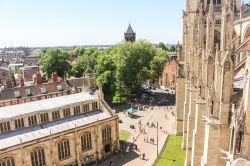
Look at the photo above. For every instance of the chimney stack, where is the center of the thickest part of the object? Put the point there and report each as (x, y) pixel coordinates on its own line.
(38, 78)
(54, 77)
(21, 82)
(8, 83)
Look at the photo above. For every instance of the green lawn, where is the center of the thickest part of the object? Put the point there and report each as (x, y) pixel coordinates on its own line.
(123, 135)
(172, 155)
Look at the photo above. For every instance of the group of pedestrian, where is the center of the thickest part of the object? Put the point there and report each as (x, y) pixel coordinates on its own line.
(151, 140)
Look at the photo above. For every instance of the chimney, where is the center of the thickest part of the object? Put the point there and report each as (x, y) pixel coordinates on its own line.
(89, 82)
(38, 78)
(21, 82)
(8, 83)
(54, 77)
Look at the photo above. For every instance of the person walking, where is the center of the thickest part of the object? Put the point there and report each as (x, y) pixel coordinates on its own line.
(143, 156)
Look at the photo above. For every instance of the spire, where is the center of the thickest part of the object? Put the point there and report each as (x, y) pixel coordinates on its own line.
(129, 30)
(130, 34)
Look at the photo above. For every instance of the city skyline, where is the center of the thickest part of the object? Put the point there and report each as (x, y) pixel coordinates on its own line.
(64, 23)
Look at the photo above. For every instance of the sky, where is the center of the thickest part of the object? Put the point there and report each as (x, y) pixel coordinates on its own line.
(36, 23)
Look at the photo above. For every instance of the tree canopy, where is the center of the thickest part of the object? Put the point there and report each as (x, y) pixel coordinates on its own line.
(56, 60)
(121, 70)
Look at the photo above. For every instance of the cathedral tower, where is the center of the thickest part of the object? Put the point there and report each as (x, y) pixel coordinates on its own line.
(130, 35)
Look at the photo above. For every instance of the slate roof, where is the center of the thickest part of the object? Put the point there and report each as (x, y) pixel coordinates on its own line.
(8, 94)
(129, 30)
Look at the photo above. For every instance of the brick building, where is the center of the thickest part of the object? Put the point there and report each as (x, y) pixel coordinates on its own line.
(168, 78)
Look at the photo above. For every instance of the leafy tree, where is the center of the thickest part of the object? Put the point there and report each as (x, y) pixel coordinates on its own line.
(78, 68)
(162, 46)
(79, 51)
(105, 71)
(56, 60)
(157, 64)
(173, 48)
(86, 63)
(133, 66)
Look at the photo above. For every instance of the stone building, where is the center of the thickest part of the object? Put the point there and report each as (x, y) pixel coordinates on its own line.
(130, 35)
(76, 129)
(213, 82)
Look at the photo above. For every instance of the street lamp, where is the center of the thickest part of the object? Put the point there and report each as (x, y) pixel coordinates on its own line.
(157, 137)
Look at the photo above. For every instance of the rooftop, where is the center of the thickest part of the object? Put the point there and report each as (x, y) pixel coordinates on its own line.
(130, 30)
(8, 94)
(33, 133)
(42, 105)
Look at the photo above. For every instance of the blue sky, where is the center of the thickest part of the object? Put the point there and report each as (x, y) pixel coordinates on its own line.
(83, 22)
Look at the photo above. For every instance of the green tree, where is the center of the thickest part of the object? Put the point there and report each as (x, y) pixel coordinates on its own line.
(158, 63)
(105, 71)
(173, 48)
(86, 63)
(133, 66)
(162, 46)
(56, 60)
(78, 68)
(79, 51)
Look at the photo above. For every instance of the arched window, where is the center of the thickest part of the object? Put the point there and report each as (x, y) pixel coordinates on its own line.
(247, 33)
(106, 135)
(7, 161)
(63, 149)
(37, 157)
(86, 141)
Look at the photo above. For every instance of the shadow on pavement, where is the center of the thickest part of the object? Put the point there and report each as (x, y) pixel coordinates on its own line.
(119, 159)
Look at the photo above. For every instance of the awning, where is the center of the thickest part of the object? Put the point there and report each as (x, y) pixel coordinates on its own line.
(132, 110)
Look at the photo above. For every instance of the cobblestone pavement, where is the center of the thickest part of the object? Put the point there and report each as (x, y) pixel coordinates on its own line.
(166, 119)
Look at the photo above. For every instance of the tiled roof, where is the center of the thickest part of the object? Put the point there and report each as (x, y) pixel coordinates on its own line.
(8, 94)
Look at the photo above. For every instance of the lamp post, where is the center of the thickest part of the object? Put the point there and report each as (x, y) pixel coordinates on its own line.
(157, 138)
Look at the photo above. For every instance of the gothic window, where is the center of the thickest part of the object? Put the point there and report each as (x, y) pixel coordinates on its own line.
(94, 106)
(77, 110)
(216, 2)
(37, 157)
(66, 112)
(86, 108)
(247, 34)
(32, 120)
(239, 142)
(106, 135)
(7, 161)
(44, 117)
(19, 123)
(216, 37)
(56, 115)
(212, 108)
(86, 141)
(238, 58)
(4, 127)
(63, 149)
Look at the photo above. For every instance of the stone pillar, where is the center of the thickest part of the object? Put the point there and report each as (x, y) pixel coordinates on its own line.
(180, 99)
(190, 125)
(185, 114)
(198, 133)
(211, 142)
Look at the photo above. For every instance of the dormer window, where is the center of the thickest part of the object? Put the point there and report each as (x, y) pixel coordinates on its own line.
(17, 94)
(44, 90)
(59, 88)
(28, 92)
